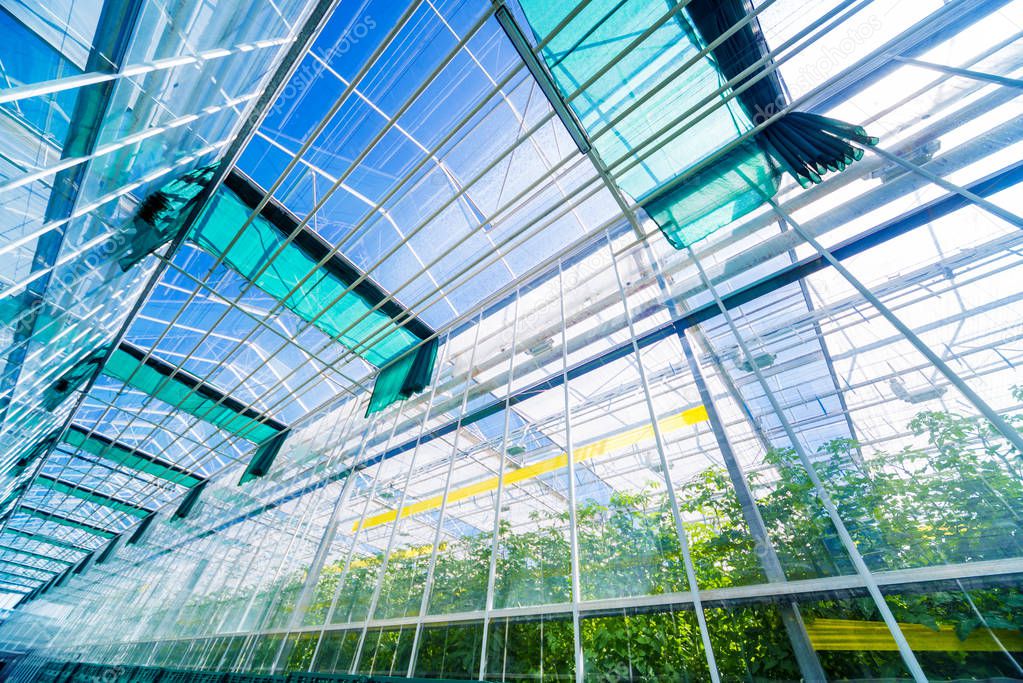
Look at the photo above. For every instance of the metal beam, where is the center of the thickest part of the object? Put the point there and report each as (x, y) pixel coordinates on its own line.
(15, 563)
(972, 575)
(806, 657)
(20, 576)
(943, 24)
(919, 216)
(311, 24)
(965, 73)
(6, 585)
(543, 78)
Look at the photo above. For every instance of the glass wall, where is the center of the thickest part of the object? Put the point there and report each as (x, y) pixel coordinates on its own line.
(103, 104)
(790, 451)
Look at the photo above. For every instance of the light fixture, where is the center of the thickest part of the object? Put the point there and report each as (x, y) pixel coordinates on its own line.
(914, 396)
(762, 360)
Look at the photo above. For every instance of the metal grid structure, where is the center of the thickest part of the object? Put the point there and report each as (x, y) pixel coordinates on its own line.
(790, 450)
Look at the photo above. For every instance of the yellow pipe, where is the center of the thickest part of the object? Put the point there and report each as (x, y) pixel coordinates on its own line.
(608, 444)
(846, 634)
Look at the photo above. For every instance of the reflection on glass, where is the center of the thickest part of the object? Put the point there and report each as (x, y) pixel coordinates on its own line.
(401, 592)
(263, 653)
(352, 602)
(750, 643)
(300, 652)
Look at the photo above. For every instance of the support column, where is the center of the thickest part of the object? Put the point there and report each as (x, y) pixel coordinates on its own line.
(806, 656)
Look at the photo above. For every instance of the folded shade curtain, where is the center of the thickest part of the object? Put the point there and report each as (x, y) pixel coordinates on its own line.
(371, 334)
(329, 292)
(684, 182)
(80, 567)
(29, 553)
(180, 390)
(73, 378)
(66, 521)
(638, 94)
(140, 530)
(408, 375)
(187, 393)
(133, 458)
(190, 500)
(264, 458)
(177, 388)
(105, 555)
(82, 493)
(32, 453)
(805, 145)
(43, 538)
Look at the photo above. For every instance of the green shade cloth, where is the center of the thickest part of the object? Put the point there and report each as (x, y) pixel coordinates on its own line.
(116, 452)
(264, 457)
(51, 574)
(29, 553)
(681, 183)
(163, 214)
(43, 538)
(57, 519)
(408, 375)
(15, 579)
(187, 393)
(217, 227)
(140, 530)
(90, 496)
(686, 208)
(690, 210)
(337, 298)
(805, 145)
(190, 500)
(178, 389)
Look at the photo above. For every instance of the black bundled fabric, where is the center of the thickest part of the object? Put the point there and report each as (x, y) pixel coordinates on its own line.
(805, 145)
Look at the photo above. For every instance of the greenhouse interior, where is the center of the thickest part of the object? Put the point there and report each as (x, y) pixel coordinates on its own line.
(578, 340)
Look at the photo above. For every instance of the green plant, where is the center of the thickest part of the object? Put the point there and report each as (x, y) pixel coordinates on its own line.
(956, 497)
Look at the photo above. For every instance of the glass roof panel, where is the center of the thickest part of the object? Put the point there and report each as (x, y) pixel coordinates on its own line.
(444, 174)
